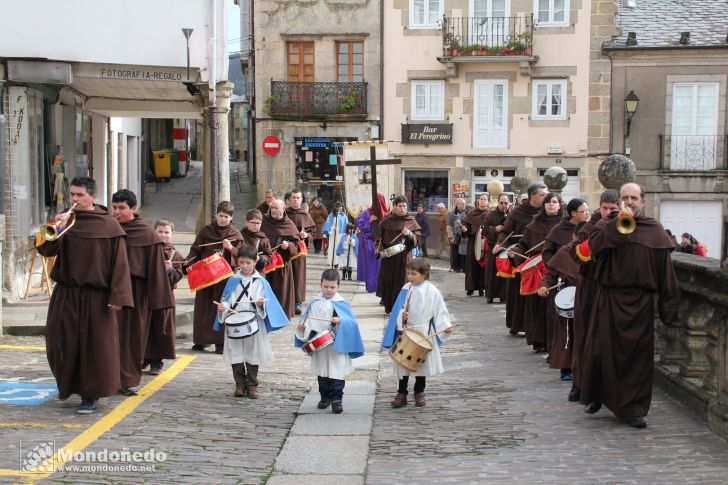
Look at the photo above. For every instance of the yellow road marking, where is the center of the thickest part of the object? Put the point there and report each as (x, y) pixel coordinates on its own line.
(83, 440)
(42, 425)
(22, 347)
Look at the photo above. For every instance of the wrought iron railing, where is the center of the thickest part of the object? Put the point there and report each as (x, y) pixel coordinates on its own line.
(317, 99)
(693, 152)
(487, 36)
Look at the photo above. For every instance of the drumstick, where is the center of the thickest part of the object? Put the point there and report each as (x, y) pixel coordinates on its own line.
(555, 286)
(537, 246)
(228, 309)
(209, 244)
(172, 255)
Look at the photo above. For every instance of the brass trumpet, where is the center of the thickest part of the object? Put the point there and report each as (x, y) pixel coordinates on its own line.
(50, 232)
(625, 220)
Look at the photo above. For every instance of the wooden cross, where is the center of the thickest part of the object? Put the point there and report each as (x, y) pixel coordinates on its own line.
(373, 163)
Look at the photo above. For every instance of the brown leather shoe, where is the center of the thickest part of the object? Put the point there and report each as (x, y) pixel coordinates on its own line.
(420, 399)
(399, 400)
(239, 389)
(253, 392)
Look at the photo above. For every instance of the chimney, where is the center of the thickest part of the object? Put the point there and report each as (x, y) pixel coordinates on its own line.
(631, 38)
(684, 38)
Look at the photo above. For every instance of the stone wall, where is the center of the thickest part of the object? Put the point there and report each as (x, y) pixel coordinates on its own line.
(691, 358)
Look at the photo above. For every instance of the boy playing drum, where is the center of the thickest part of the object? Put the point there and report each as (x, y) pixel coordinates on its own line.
(328, 311)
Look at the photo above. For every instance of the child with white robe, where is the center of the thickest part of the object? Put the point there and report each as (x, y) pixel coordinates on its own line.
(248, 303)
(334, 230)
(331, 364)
(346, 251)
(419, 306)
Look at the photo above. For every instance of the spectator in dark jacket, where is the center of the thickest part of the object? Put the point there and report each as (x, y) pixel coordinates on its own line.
(424, 221)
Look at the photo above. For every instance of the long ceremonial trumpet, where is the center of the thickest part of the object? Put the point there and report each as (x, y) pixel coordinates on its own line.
(625, 220)
(50, 232)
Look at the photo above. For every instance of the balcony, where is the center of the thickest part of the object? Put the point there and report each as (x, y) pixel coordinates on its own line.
(487, 39)
(693, 153)
(317, 100)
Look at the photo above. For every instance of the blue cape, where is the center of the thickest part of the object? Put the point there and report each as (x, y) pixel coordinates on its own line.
(275, 317)
(391, 334)
(348, 339)
(342, 220)
(341, 249)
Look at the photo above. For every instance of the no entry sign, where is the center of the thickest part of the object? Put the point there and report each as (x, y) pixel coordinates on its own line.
(271, 145)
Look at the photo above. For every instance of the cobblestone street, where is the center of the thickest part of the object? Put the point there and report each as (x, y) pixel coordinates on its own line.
(497, 415)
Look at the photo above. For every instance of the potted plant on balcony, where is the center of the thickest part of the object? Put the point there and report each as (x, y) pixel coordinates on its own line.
(470, 50)
(526, 39)
(268, 102)
(494, 50)
(482, 50)
(514, 48)
(348, 102)
(451, 45)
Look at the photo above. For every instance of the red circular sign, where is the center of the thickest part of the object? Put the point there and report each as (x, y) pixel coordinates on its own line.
(271, 145)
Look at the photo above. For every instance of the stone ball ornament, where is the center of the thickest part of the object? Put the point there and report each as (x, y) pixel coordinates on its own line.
(616, 170)
(495, 188)
(555, 179)
(520, 184)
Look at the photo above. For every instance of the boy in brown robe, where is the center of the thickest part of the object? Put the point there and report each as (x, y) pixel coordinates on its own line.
(495, 287)
(92, 284)
(283, 235)
(221, 231)
(397, 227)
(149, 284)
(252, 236)
(306, 226)
(162, 326)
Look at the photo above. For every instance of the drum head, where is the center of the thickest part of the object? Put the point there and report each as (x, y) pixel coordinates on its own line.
(533, 263)
(503, 254)
(565, 298)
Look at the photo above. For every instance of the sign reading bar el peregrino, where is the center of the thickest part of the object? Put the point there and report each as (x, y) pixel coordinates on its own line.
(427, 133)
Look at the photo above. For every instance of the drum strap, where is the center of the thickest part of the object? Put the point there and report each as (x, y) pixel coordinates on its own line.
(242, 294)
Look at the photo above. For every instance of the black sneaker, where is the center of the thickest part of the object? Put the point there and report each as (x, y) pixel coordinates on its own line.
(200, 347)
(155, 369)
(129, 391)
(337, 408)
(88, 406)
(219, 348)
(593, 407)
(637, 422)
(574, 394)
(324, 403)
(299, 308)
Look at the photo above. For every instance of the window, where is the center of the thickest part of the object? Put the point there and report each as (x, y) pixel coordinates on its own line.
(426, 187)
(428, 100)
(237, 111)
(549, 100)
(490, 111)
(550, 13)
(350, 62)
(425, 14)
(300, 62)
(237, 134)
(693, 141)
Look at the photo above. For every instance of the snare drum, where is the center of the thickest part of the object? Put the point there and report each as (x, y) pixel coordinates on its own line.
(318, 342)
(241, 324)
(564, 302)
(411, 349)
(276, 262)
(208, 272)
(302, 250)
(394, 250)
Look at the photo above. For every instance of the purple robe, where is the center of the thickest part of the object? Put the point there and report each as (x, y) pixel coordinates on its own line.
(367, 263)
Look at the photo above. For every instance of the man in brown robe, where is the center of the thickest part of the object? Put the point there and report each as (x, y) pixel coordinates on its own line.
(319, 214)
(283, 235)
(162, 338)
(495, 287)
(474, 221)
(516, 222)
(302, 220)
(397, 227)
(630, 271)
(585, 290)
(93, 283)
(265, 205)
(226, 238)
(149, 284)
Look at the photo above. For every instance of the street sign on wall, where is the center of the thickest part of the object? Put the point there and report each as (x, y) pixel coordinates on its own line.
(271, 145)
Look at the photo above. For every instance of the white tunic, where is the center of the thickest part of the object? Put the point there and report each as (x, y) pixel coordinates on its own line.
(256, 349)
(425, 304)
(326, 362)
(351, 262)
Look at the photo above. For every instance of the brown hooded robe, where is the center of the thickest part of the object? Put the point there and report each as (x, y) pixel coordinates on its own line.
(302, 220)
(163, 325)
(392, 275)
(281, 280)
(495, 287)
(474, 273)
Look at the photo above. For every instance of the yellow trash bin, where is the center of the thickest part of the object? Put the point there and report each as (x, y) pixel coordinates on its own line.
(162, 164)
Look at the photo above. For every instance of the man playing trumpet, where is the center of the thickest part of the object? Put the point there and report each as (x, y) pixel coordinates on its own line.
(92, 283)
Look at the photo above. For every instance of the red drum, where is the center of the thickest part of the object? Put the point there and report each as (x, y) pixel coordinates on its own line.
(275, 263)
(503, 266)
(318, 342)
(208, 272)
(302, 250)
(532, 272)
(484, 255)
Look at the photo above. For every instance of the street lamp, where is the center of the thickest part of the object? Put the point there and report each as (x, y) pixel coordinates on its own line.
(191, 88)
(630, 107)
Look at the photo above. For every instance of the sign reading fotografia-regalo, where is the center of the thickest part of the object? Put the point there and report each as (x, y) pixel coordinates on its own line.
(427, 133)
(140, 74)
